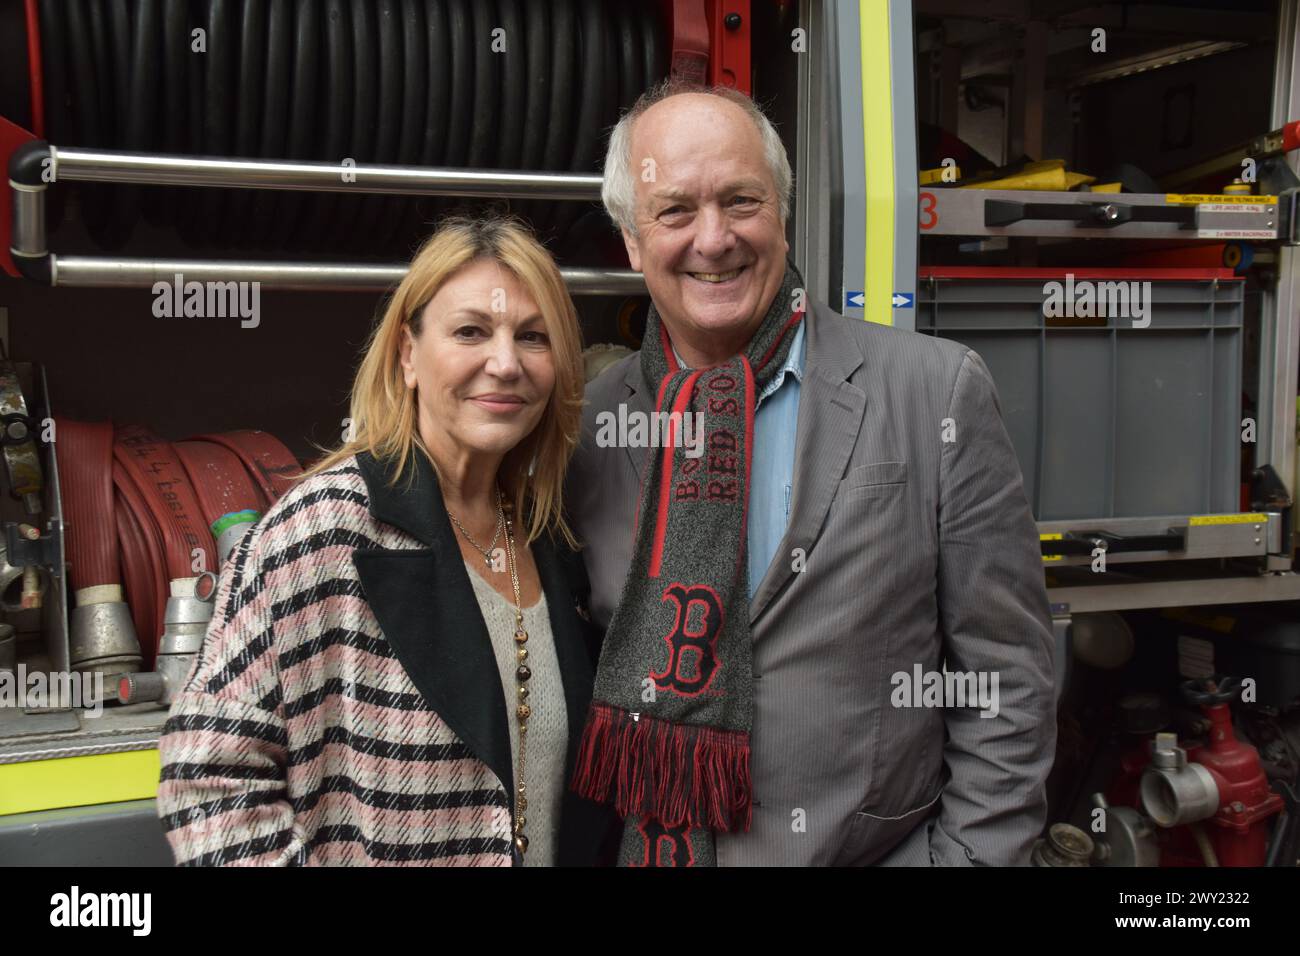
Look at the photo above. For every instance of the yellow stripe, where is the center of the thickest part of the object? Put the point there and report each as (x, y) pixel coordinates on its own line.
(78, 781)
(878, 155)
(1251, 518)
(1055, 536)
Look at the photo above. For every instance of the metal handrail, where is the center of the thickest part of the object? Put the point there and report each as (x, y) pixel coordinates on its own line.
(150, 169)
(35, 165)
(106, 272)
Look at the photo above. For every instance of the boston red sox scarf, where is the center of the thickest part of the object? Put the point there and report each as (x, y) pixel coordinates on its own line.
(668, 730)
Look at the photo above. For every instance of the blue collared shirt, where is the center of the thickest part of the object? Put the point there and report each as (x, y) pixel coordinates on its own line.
(771, 477)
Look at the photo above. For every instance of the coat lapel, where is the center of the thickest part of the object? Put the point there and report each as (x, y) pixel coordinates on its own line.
(830, 414)
(425, 605)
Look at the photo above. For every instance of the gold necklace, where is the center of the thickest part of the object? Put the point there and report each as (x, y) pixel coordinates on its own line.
(486, 552)
(522, 675)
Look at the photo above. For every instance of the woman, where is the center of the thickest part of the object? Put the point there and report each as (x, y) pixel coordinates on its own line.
(398, 668)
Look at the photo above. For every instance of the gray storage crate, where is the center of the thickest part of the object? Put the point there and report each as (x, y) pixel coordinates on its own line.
(1107, 420)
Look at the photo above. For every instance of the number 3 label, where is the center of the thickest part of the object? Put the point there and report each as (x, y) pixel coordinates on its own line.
(929, 215)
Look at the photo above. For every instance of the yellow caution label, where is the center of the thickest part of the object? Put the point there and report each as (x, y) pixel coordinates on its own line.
(1252, 518)
(1057, 536)
(1196, 199)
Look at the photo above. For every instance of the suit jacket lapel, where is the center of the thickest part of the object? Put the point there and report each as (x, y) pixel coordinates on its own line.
(830, 414)
(640, 401)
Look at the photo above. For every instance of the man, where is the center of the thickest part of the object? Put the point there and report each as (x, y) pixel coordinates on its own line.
(867, 506)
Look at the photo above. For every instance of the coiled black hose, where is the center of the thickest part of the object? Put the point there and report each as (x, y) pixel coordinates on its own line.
(513, 71)
(593, 101)
(302, 116)
(87, 110)
(349, 223)
(142, 121)
(495, 84)
(398, 210)
(59, 121)
(334, 115)
(219, 93)
(274, 138)
(251, 74)
(188, 224)
(392, 87)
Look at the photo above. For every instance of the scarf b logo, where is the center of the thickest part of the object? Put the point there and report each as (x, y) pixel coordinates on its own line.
(664, 846)
(691, 645)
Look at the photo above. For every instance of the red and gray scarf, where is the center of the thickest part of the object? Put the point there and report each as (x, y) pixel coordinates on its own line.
(668, 731)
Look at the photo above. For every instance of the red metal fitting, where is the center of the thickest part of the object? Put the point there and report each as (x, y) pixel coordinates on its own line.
(1239, 831)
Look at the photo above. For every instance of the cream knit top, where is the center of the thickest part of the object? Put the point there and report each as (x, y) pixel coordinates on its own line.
(548, 727)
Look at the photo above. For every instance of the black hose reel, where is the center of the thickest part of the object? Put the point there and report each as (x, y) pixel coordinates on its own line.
(490, 84)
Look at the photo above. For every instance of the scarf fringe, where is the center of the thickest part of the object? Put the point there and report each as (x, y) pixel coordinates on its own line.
(675, 773)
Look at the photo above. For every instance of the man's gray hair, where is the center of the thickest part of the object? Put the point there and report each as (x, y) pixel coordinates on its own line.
(618, 191)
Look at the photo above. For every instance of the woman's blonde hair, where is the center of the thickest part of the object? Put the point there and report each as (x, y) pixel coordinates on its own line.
(384, 411)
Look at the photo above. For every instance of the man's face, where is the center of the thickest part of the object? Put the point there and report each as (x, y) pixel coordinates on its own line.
(710, 240)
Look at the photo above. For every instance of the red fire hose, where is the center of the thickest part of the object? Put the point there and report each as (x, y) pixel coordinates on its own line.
(141, 511)
(227, 496)
(144, 571)
(84, 451)
(152, 462)
(272, 465)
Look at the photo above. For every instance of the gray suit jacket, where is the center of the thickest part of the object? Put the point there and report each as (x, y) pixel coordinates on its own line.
(918, 547)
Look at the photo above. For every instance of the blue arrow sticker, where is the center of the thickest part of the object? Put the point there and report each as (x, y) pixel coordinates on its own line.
(903, 300)
(855, 300)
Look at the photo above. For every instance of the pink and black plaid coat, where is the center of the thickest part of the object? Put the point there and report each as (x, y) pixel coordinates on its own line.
(346, 707)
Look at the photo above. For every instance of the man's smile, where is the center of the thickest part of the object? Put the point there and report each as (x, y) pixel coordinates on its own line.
(717, 277)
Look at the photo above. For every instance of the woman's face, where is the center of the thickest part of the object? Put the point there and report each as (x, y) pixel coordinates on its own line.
(482, 364)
